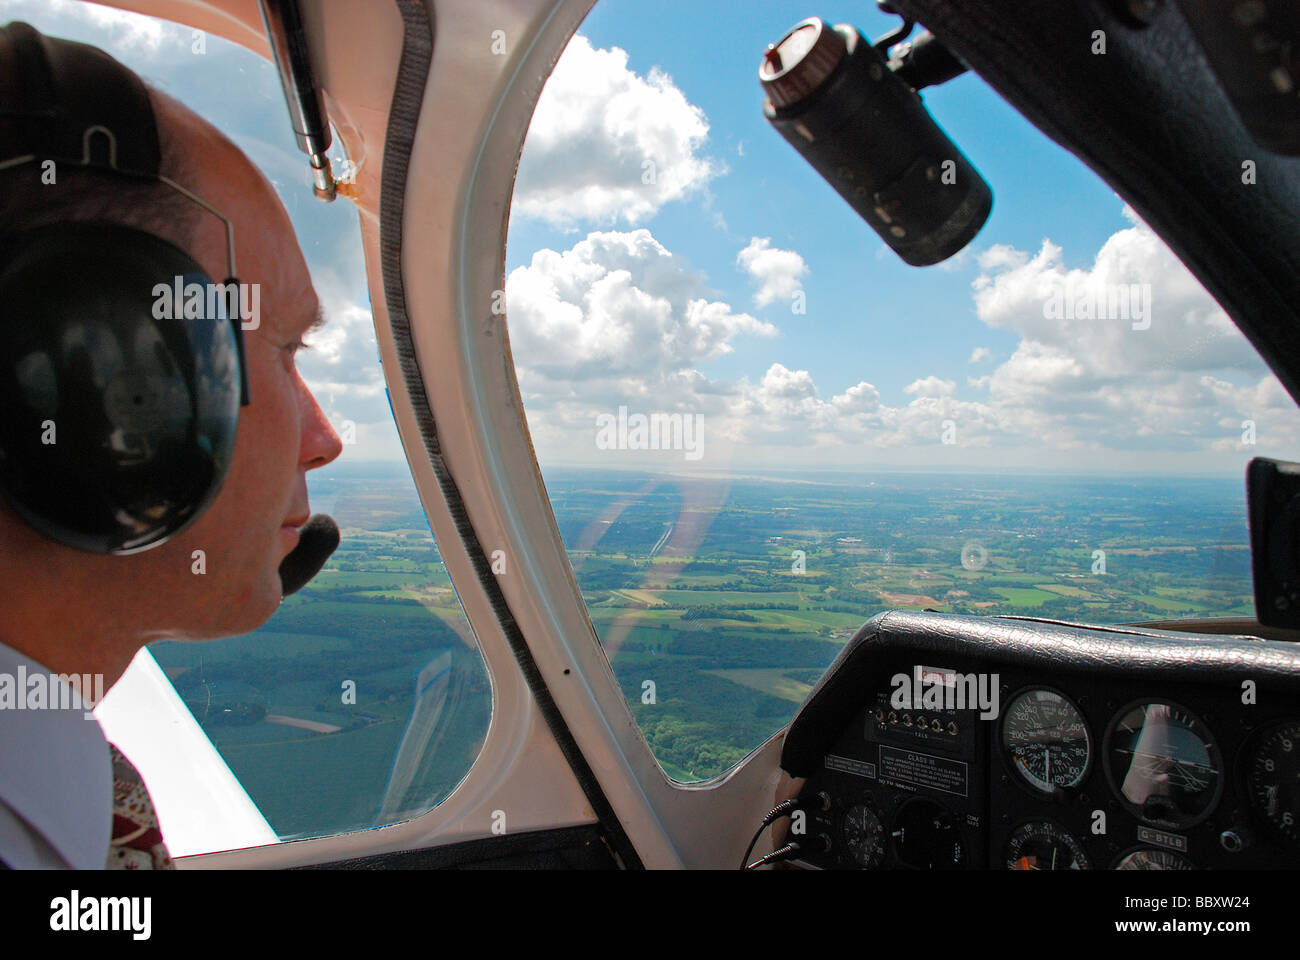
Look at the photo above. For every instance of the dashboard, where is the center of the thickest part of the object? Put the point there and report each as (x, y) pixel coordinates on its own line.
(947, 742)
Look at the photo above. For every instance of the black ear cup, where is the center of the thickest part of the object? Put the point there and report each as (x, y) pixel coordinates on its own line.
(118, 402)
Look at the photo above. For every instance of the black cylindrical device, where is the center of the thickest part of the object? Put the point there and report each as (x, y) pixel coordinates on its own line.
(834, 98)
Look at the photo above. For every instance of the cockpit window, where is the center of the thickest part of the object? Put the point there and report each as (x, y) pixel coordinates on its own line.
(759, 428)
(364, 701)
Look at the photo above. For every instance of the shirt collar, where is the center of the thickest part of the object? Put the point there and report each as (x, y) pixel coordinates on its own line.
(55, 770)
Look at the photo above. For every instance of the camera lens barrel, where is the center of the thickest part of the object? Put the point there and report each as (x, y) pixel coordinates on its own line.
(834, 98)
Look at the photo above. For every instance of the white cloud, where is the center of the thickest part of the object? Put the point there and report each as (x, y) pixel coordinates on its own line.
(862, 398)
(784, 409)
(777, 272)
(618, 319)
(341, 369)
(142, 33)
(1000, 255)
(787, 393)
(607, 143)
(930, 387)
(1099, 380)
(617, 304)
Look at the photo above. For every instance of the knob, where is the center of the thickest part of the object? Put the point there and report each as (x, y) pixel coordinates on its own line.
(1235, 839)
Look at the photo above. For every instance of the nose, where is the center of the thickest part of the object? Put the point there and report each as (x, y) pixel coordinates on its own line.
(320, 444)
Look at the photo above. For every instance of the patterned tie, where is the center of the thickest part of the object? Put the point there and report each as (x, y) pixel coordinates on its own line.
(137, 839)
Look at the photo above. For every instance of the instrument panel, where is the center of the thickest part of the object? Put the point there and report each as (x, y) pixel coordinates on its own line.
(950, 761)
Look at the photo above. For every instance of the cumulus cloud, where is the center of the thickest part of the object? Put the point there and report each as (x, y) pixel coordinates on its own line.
(618, 319)
(785, 394)
(341, 369)
(863, 398)
(608, 143)
(616, 305)
(777, 272)
(1089, 369)
(930, 387)
(785, 409)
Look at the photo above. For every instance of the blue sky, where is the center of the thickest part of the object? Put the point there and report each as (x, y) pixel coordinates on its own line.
(675, 297)
(856, 295)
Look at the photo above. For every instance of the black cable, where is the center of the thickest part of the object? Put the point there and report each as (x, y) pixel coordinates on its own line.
(785, 808)
(899, 35)
(788, 852)
(750, 848)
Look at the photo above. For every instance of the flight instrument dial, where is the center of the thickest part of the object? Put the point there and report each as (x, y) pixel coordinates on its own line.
(1164, 764)
(864, 835)
(1045, 740)
(1273, 778)
(1042, 845)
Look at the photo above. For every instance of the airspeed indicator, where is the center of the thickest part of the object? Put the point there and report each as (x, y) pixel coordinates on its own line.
(1045, 740)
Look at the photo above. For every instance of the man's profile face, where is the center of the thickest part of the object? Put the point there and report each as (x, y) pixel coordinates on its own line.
(282, 433)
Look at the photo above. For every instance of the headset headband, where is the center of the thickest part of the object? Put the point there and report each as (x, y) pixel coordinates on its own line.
(52, 91)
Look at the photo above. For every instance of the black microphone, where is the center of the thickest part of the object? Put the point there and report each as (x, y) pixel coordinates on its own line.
(317, 539)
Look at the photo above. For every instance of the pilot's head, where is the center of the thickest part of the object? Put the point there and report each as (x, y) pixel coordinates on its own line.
(77, 611)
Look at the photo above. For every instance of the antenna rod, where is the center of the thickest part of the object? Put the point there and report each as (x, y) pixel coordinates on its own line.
(288, 41)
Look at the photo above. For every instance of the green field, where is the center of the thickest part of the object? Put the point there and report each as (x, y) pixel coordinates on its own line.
(773, 682)
(1024, 597)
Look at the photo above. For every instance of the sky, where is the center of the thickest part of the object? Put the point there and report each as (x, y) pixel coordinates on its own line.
(670, 253)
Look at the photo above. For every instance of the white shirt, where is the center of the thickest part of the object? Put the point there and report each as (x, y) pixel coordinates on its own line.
(56, 778)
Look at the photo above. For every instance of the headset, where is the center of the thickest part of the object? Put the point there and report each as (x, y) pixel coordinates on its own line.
(120, 390)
